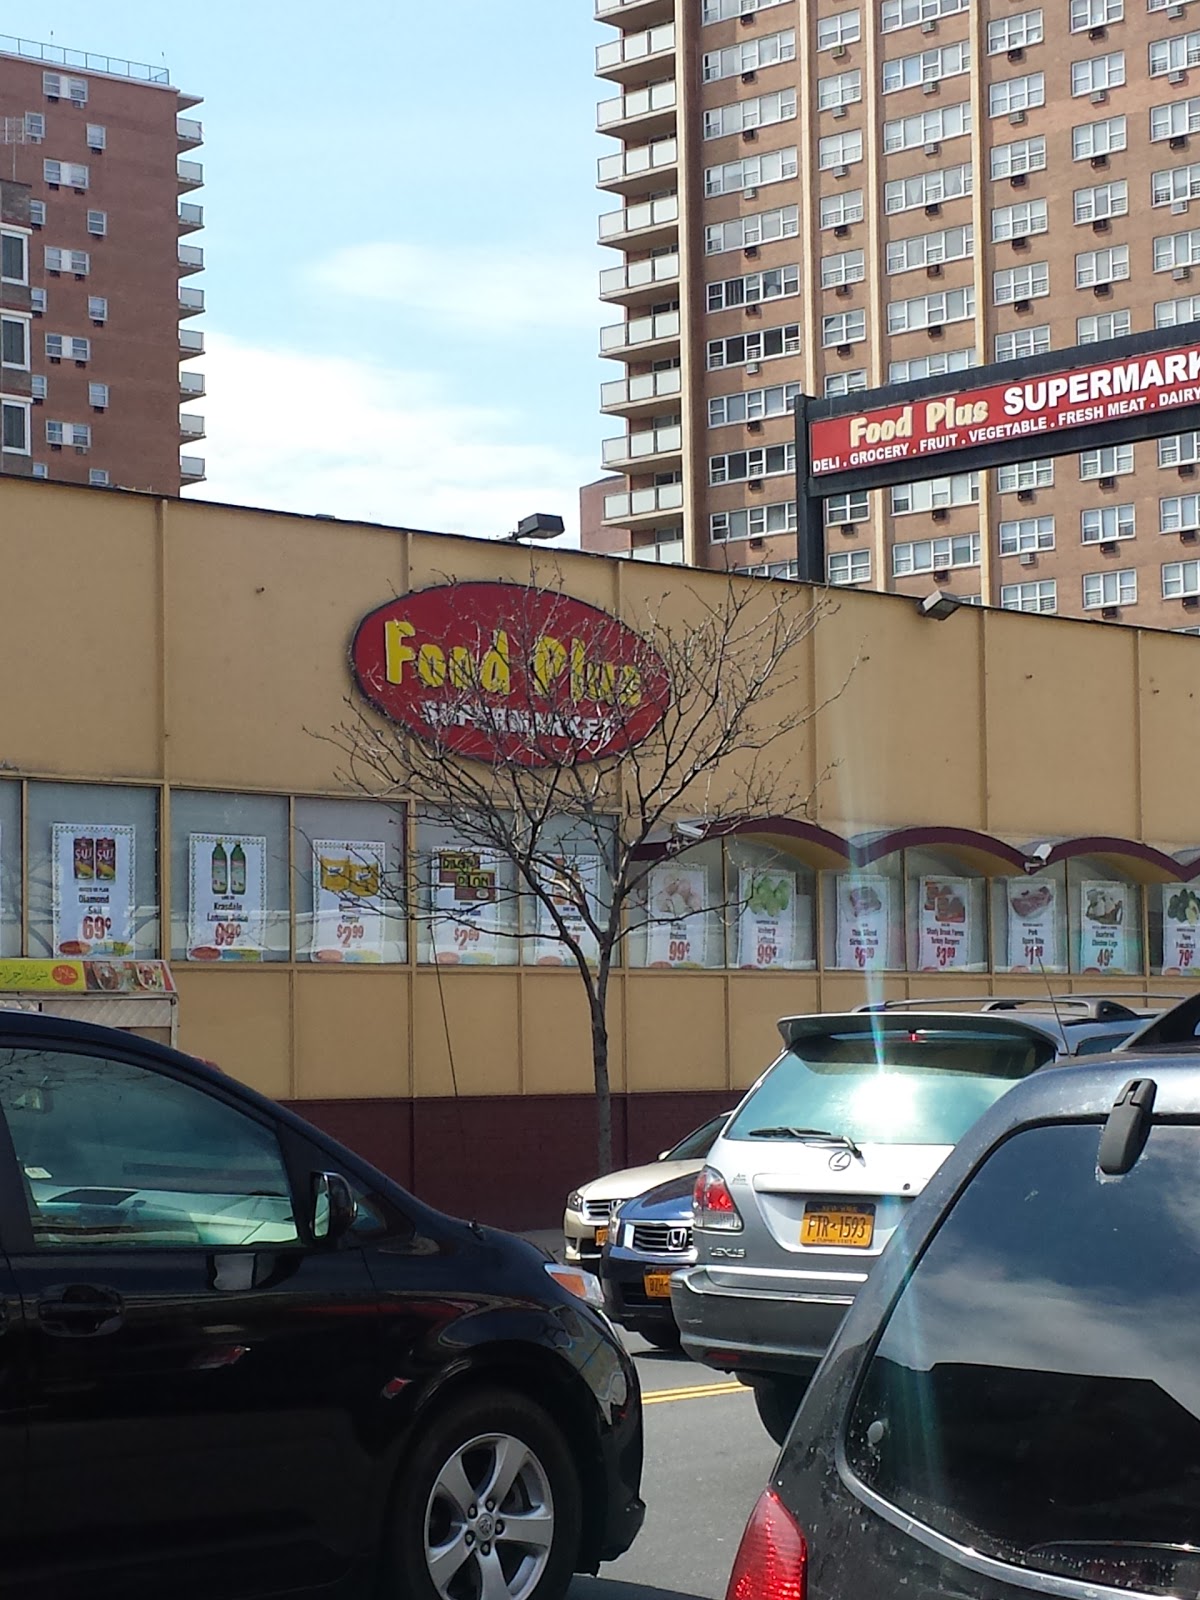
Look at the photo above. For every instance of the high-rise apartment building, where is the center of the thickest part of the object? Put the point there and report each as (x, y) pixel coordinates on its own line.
(95, 277)
(826, 197)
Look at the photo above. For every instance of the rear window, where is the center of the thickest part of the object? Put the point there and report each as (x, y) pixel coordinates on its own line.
(1035, 1395)
(890, 1086)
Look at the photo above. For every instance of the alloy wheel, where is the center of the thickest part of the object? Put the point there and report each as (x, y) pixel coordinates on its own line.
(489, 1522)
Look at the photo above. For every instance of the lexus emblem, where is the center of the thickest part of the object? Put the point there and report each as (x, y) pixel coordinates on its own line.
(840, 1160)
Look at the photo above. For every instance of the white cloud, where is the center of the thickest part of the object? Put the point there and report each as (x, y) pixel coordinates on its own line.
(292, 431)
(491, 292)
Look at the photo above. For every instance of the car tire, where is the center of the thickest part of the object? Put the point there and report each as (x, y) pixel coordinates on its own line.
(666, 1338)
(777, 1400)
(438, 1547)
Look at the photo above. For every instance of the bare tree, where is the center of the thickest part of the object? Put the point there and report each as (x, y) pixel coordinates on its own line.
(577, 753)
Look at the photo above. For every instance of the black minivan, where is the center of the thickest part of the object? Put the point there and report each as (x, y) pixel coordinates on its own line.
(237, 1361)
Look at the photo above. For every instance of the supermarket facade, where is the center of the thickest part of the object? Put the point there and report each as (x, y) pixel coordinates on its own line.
(1001, 793)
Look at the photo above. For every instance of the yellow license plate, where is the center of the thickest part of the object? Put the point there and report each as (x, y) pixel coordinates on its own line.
(839, 1227)
(658, 1285)
(601, 1237)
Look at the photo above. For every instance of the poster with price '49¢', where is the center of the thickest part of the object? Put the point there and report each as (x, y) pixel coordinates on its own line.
(227, 897)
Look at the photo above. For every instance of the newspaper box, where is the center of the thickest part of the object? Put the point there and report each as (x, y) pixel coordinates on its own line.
(136, 996)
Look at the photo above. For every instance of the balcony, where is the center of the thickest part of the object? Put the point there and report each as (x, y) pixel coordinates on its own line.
(191, 216)
(667, 552)
(191, 301)
(634, 13)
(189, 133)
(651, 111)
(640, 280)
(649, 222)
(624, 507)
(641, 336)
(191, 385)
(191, 343)
(191, 426)
(638, 169)
(191, 258)
(191, 469)
(657, 444)
(645, 392)
(626, 58)
(191, 174)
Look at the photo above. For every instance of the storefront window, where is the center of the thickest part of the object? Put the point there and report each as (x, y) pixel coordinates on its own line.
(771, 916)
(349, 886)
(1106, 919)
(466, 898)
(947, 913)
(10, 869)
(1174, 917)
(864, 917)
(229, 877)
(578, 858)
(93, 870)
(677, 916)
(1029, 922)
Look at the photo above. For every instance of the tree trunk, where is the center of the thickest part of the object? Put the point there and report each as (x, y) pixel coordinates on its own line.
(604, 1139)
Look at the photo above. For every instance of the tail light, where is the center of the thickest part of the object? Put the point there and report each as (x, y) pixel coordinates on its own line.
(712, 1203)
(772, 1559)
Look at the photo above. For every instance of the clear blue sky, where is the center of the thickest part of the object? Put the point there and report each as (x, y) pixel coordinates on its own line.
(401, 267)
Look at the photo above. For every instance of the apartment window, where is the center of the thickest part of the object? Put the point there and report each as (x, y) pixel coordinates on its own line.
(753, 522)
(927, 188)
(1017, 94)
(98, 307)
(774, 569)
(1019, 221)
(759, 346)
(97, 136)
(1098, 73)
(1177, 250)
(844, 28)
(1027, 282)
(935, 555)
(750, 172)
(1026, 534)
(849, 566)
(928, 66)
(1015, 33)
(1041, 595)
(1102, 200)
(768, 461)
(841, 89)
(930, 249)
(931, 310)
(1174, 313)
(1023, 476)
(840, 210)
(935, 494)
(35, 127)
(842, 509)
(14, 426)
(752, 288)
(1102, 266)
(57, 86)
(1025, 155)
(1174, 55)
(932, 366)
(1175, 184)
(98, 477)
(761, 228)
(1179, 513)
(1104, 325)
(1176, 119)
(37, 213)
(1180, 578)
(1021, 343)
(38, 386)
(76, 433)
(69, 173)
(1088, 14)
(14, 342)
(98, 395)
(843, 327)
(14, 258)
(722, 10)
(1106, 463)
(1103, 524)
(76, 261)
(840, 150)
(1091, 140)
(929, 127)
(842, 383)
(751, 405)
(1109, 589)
(97, 223)
(750, 55)
(849, 267)
(907, 13)
(66, 347)
(37, 301)
(760, 112)
(1178, 449)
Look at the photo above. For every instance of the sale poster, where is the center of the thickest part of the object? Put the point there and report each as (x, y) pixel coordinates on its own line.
(944, 924)
(465, 898)
(572, 882)
(677, 907)
(93, 889)
(227, 897)
(767, 918)
(864, 902)
(1105, 915)
(348, 911)
(1181, 930)
(1034, 913)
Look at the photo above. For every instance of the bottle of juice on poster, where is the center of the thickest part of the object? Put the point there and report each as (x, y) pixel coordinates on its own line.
(220, 869)
(237, 869)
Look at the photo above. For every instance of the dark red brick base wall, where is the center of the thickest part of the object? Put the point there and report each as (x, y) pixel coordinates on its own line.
(508, 1161)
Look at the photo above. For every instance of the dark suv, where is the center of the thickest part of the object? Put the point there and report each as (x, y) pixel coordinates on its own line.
(1012, 1405)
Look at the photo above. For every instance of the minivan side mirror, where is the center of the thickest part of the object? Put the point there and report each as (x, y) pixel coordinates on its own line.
(334, 1209)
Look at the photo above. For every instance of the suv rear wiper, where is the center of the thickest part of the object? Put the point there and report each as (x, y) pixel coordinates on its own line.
(807, 1133)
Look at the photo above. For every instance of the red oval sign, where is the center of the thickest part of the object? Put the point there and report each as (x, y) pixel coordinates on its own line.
(500, 672)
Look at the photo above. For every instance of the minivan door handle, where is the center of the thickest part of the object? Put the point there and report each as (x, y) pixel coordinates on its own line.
(81, 1311)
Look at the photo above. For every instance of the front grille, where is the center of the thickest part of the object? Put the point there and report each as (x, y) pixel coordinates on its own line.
(657, 1238)
(597, 1210)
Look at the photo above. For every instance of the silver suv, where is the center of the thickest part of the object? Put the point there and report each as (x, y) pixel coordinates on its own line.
(816, 1167)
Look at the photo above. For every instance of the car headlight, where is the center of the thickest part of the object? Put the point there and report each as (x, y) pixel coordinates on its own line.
(584, 1286)
(575, 1201)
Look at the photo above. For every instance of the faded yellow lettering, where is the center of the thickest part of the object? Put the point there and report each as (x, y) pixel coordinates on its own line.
(630, 691)
(495, 675)
(431, 666)
(549, 659)
(396, 653)
(462, 668)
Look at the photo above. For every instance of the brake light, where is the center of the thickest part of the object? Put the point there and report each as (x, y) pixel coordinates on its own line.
(772, 1559)
(712, 1203)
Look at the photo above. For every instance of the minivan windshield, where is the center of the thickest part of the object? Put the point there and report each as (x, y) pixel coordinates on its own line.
(699, 1142)
(910, 1085)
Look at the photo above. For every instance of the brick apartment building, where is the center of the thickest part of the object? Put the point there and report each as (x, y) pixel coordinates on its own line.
(95, 278)
(831, 196)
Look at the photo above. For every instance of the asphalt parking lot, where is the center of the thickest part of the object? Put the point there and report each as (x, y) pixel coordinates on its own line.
(707, 1460)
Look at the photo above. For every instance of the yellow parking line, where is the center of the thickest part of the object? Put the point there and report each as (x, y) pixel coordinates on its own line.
(696, 1391)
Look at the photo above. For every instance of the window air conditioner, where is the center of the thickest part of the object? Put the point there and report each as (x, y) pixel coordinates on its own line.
(849, 529)
(844, 290)
(1106, 483)
(1100, 163)
(1028, 558)
(754, 309)
(842, 231)
(755, 485)
(750, 252)
(929, 26)
(1176, 12)
(934, 269)
(840, 113)
(1102, 290)
(940, 514)
(749, 135)
(1099, 97)
(839, 52)
(1191, 602)
(1101, 225)
(1108, 547)
(941, 574)
(931, 87)
(1016, 118)
(1021, 305)
(1178, 141)
(1182, 274)
(1177, 77)
(1020, 242)
(750, 77)
(752, 367)
(1098, 33)
(933, 148)
(933, 209)
(844, 349)
(1180, 208)
(1019, 180)
(1187, 469)
(1017, 54)
(936, 330)
(747, 19)
(1188, 535)
(841, 170)
(750, 194)
(1110, 612)
(1024, 496)
(754, 426)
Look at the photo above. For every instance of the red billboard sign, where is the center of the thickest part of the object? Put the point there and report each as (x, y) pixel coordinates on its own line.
(1023, 409)
(500, 672)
